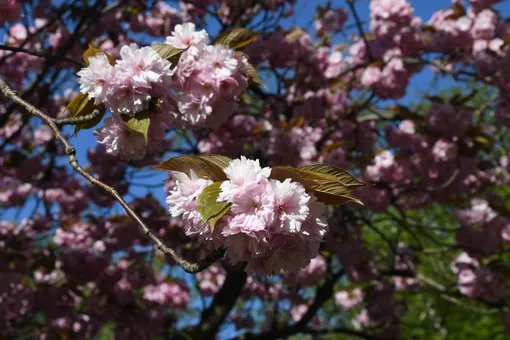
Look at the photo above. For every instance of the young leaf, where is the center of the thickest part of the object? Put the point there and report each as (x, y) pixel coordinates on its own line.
(168, 52)
(204, 166)
(251, 71)
(81, 106)
(235, 38)
(340, 175)
(329, 198)
(92, 51)
(331, 185)
(253, 75)
(281, 173)
(139, 123)
(219, 160)
(209, 208)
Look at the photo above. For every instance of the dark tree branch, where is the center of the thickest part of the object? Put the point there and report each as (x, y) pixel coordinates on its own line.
(214, 316)
(47, 56)
(359, 24)
(323, 294)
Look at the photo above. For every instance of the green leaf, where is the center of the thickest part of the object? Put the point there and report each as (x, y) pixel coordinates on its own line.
(92, 51)
(204, 166)
(235, 38)
(168, 52)
(81, 106)
(139, 123)
(209, 208)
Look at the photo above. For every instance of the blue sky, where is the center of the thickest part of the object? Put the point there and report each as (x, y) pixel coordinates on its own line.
(303, 13)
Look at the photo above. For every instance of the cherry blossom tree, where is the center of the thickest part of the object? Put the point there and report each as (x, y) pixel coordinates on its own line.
(206, 169)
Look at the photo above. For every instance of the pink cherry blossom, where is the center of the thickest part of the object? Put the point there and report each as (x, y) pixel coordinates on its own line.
(348, 299)
(182, 200)
(185, 35)
(120, 140)
(95, 80)
(242, 173)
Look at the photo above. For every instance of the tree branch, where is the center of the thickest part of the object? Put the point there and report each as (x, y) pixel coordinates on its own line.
(71, 154)
(48, 56)
(323, 294)
(77, 120)
(341, 330)
(350, 3)
(214, 316)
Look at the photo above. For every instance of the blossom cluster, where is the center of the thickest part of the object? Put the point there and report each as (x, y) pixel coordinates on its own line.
(209, 78)
(271, 225)
(201, 89)
(478, 281)
(128, 86)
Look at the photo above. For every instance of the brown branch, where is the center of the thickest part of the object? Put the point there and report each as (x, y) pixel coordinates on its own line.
(48, 56)
(77, 120)
(71, 154)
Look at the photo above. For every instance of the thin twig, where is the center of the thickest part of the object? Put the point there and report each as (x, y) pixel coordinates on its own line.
(47, 56)
(77, 120)
(71, 154)
(350, 3)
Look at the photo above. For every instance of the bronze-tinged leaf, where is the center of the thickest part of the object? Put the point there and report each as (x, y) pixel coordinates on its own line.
(92, 51)
(253, 75)
(330, 184)
(458, 11)
(201, 166)
(333, 193)
(340, 175)
(168, 52)
(219, 160)
(281, 173)
(312, 176)
(333, 146)
(139, 123)
(378, 63)
(369, 116)
(436, 99)
(428, 28)
(295, 34)
(404, 112)
(208, 206)
(327, 198)
(235, 38)
(296, 121)
(81, 106)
